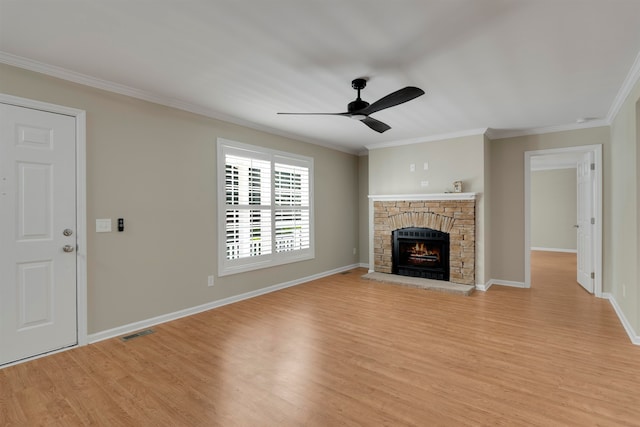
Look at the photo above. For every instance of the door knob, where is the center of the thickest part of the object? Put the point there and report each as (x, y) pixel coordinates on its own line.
(67, 248)
(67, 232)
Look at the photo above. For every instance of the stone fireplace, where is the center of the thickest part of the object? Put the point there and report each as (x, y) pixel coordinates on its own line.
(410, 218)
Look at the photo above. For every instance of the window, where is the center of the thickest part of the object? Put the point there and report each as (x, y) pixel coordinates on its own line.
(265, 207)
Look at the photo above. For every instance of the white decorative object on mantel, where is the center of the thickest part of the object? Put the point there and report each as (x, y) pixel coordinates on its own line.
(432, 196)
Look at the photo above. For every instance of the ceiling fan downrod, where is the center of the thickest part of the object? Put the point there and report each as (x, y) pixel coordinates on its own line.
(358, 104)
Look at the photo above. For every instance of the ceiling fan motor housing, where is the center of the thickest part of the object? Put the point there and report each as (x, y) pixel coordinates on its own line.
(357, 105)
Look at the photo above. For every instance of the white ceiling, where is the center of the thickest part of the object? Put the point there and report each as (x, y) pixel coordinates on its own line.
(508, 65)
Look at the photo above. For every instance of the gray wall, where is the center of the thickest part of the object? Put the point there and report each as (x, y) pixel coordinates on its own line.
(554, 209)
(621, 235)
(484, 257)
(156, 167)
(507, 195)
(363, 218)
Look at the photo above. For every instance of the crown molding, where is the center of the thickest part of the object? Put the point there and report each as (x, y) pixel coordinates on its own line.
(633, 76)
(86, 80)
(629, 82)
(431, 138)
(97, 83)
(513, 133)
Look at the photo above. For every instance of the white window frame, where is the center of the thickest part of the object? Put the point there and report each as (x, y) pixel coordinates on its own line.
(234, 266)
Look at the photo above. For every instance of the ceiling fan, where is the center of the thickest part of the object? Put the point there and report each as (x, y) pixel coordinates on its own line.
(360, 110)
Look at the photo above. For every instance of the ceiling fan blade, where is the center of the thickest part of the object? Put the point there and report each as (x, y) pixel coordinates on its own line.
(398, 97)
(317, 114)
(376, 125)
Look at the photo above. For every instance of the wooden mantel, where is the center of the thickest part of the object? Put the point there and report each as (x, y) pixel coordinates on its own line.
(430, 196)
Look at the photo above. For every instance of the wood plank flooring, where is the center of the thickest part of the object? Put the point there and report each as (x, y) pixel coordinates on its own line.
(342, 351)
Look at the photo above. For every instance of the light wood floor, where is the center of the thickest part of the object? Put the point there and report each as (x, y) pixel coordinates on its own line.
(345, 351)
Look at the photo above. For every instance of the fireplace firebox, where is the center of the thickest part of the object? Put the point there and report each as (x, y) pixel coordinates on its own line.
(421, 252)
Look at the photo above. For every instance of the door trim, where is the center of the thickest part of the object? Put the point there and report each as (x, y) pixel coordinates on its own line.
(597, 235)
(81, 203)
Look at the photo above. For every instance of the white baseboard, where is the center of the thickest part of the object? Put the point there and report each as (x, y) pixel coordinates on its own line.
(571, 251)
(633, 336)
(485, 287)
(363, 265)
(499, 282)
(132, 327)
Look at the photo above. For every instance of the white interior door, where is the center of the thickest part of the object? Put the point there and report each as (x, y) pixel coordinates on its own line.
(586, 183)
(38, 311)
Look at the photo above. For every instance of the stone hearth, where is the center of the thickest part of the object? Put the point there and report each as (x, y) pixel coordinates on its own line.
(452, 213)
(428, 284)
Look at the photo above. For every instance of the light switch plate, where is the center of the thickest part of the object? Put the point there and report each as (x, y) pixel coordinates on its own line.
(103, 225)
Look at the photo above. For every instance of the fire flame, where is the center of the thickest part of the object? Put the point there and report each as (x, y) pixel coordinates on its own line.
(421, 249)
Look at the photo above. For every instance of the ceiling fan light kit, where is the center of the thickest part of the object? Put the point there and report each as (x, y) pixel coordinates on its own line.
(361, 110)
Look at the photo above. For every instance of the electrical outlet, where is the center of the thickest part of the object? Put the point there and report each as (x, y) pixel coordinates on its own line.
(412, 167)
(424, 183)
(210, 281)
(354, 251)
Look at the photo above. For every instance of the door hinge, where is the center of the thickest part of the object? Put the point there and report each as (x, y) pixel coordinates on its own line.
(593, 220)
(593, 275)
(593, 166)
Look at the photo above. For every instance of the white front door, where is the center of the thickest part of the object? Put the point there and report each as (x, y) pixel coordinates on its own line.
(586, 182)
(38, 311)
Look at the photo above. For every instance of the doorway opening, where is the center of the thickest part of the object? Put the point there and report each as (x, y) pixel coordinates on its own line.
(586, 162)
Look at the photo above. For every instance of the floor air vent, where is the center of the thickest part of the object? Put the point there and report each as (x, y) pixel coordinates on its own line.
(137, 334)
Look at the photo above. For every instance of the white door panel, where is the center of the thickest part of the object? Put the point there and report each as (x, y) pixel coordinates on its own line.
(37, 203)
(34, 217)
(586, 185)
